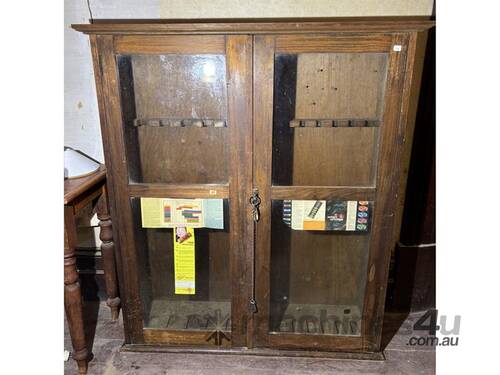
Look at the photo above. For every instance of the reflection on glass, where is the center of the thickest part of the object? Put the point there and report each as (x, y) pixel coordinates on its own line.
(174, 109)
(209, 308)
(318, 276)
(328, 108)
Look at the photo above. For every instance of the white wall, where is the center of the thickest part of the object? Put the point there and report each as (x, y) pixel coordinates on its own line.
(81, 119)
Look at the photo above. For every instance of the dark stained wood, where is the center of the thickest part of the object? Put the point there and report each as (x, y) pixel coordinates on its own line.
(108, 255)
(163, 337)
(323, 192)
(259, 26)
(74, 187)
(72, 294)
(334, 156)
(132, 308)
(340, 85)
(179, 191)
(239, 62)
(377, 356)
(388, 169)
(263, 133)
(374, 173)
(175, 44)
(327, 44)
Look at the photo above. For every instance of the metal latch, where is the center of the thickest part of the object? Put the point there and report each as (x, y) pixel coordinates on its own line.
(255, 202)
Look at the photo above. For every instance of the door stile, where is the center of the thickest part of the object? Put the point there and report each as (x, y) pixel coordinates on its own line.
(239, 65)
(109, 175)
(387, 181)
(115, 139)
(263, 131)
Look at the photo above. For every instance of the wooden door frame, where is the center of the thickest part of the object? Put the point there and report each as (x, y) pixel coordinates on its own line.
(384, 192)
(238, 52)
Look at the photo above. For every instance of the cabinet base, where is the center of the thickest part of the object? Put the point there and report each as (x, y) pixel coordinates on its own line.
(376, 356)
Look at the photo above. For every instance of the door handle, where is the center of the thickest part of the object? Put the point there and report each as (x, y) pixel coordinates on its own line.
(255, 202)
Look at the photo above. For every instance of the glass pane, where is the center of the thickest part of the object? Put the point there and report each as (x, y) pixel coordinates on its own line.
(318, 276)
(210, 305)
(174, 110)
(328, 108)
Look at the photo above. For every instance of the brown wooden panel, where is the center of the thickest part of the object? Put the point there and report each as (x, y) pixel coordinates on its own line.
(319, 342)
(179, 191)
(239, 62)
(263, 121)
(325, 43)
(389, 168)
(333, 274)
(158, 336)
(323, 192)
(340, 85)
(183, 155)
(256, 26)
(188, 44)
(177, 86)
(334, 156)
(132, 307)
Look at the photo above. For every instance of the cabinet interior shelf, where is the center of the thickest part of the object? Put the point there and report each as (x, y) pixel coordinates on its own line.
(334, 123)
(177, 123)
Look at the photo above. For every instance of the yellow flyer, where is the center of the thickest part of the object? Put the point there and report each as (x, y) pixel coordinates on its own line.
(184, 266)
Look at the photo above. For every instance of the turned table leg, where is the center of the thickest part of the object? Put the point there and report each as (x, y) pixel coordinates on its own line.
(108, 255)
(72, 295)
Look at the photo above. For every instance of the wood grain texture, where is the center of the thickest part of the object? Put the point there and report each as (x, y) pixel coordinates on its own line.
(408, 117)
(179, 191)
(180, 86)
(325, 43)
(111, 97)
(258, 26)
(173, 44)
(99, 83)
(239, 62)
(184, 155)
(340, 85)
(323, 192)
(108, 255)
(249, 140)
(156, 336)
(72, 294)
(74, 187)
(334, 156)
(263, 132)
(388, 169)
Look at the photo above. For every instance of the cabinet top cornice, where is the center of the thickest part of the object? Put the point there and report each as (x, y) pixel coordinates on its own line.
(256, 26)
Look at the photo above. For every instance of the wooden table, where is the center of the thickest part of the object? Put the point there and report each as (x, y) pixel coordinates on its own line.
(78, 193)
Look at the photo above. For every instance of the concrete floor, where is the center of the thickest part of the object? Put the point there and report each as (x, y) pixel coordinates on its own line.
(108, 360)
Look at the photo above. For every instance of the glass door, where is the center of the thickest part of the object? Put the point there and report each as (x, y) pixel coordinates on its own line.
(326, 126)
(178, 126)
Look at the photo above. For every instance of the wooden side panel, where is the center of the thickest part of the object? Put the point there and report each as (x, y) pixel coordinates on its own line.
(340, 85)
(239, 63)
(334, 156)
(388, 171)
(116, 146)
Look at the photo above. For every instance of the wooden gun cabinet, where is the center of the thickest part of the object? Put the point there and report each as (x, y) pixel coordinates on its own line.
(269, 116)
